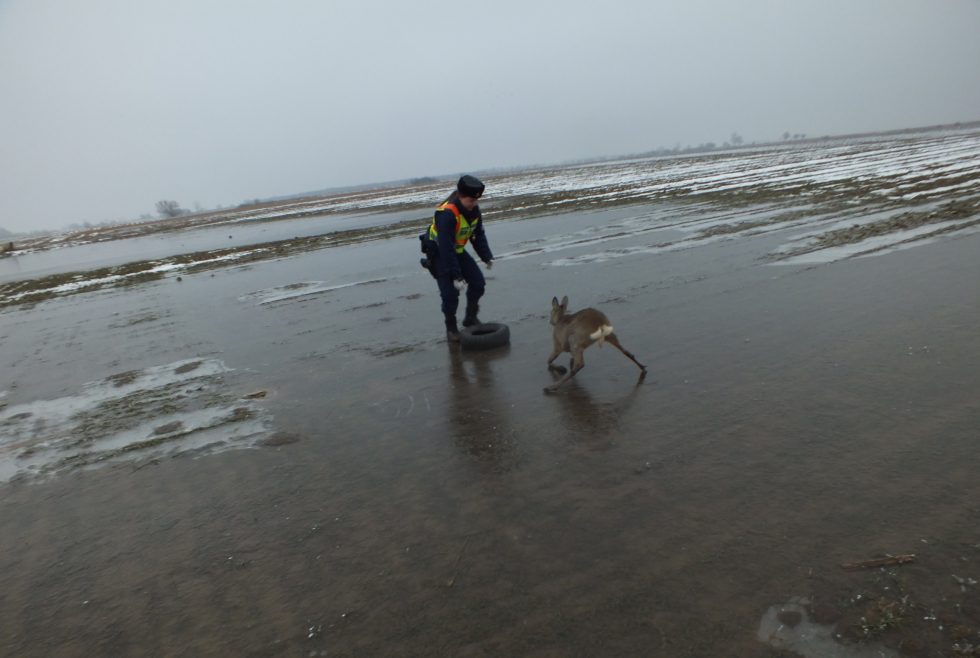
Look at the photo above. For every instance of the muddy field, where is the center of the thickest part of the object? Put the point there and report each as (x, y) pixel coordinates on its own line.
(249, 437)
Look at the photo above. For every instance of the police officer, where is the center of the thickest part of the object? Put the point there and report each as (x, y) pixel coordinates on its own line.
(456, 221)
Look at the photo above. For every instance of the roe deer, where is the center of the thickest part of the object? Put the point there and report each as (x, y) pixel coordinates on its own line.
(576, 331)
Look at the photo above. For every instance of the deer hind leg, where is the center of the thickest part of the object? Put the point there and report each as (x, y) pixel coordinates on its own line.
(578, 362)
(613, 340)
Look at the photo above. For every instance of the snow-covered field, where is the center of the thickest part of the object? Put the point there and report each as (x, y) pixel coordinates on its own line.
(900, 168)
(900, 189)
(830, 199)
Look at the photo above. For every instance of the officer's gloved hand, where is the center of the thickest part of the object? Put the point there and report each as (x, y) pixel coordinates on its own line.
(489, 264)
(460, 284)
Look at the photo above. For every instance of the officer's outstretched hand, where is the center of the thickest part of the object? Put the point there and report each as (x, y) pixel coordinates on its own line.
(489, 264)
(460, 284)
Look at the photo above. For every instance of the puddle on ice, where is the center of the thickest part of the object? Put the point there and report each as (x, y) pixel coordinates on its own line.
(802, 636)
(611, 254)
(181, 408)
(876, 245)
(673, 231)
(298, 290)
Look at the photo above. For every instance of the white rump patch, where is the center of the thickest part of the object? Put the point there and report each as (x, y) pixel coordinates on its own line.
(601, 333)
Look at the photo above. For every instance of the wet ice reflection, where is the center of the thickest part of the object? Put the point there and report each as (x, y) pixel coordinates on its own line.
(480, 418)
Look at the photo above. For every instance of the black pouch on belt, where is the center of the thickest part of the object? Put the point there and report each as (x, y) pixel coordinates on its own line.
(431, 250)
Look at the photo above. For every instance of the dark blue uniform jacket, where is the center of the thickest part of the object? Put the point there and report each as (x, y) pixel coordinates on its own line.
(445, 220)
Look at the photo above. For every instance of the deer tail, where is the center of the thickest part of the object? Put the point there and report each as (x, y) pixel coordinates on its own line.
(599, 334)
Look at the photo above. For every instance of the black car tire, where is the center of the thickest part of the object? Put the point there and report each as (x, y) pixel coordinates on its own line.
(484, 336)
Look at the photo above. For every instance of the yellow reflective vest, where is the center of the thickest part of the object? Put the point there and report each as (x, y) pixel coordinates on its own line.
(464, 228)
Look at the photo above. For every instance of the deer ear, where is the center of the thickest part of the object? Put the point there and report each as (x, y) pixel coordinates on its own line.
(564, 301)
(554, 301)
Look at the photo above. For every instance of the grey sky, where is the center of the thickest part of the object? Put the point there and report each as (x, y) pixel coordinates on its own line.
(111, 105)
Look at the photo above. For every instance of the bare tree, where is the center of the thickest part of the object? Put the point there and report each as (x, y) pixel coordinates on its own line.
(170, 209)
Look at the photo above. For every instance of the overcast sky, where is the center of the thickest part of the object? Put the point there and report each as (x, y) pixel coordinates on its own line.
(109, 106)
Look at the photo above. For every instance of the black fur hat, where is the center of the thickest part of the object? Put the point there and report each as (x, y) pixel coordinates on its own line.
(470, 186)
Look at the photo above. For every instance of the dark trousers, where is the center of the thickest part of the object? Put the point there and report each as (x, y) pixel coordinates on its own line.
(475, 285)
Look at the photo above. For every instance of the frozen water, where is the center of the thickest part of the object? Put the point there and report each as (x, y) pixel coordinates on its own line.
(159, 411)
(808, 639)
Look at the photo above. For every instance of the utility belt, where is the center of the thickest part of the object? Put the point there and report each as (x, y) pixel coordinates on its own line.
(430, 251)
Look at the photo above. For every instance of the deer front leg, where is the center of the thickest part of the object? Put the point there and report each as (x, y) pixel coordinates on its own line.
(578, 362)
(555, 352)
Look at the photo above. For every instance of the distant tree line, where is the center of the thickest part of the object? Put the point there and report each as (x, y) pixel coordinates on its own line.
(734, 140)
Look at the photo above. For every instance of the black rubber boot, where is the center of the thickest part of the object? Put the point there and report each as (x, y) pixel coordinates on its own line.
(470, 319)
(452, 331)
